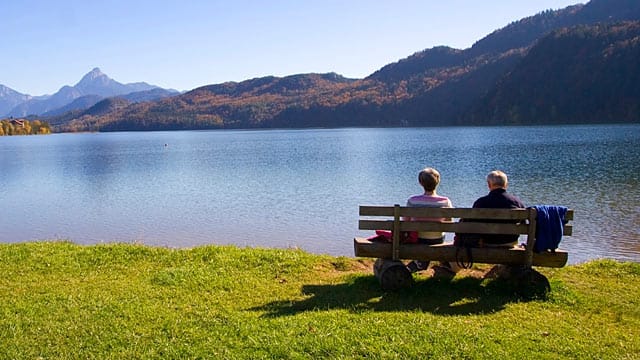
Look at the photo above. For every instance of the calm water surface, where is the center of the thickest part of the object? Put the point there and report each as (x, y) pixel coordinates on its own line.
(302, 188)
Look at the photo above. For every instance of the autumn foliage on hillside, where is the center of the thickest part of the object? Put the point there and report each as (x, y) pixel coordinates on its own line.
(251, 103)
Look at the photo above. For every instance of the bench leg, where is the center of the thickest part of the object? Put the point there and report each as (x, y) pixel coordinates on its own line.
(526, 281)
(392, 274)
(532, 285)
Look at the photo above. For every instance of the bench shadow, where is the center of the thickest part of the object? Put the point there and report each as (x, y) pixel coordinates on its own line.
(458, 296)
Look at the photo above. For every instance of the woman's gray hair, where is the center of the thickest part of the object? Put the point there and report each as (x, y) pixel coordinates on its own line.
(429, 178)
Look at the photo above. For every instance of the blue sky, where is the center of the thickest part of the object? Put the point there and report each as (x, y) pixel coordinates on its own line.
(185, 44)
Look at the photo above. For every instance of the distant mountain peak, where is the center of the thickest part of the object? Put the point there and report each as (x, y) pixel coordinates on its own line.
(93, 76)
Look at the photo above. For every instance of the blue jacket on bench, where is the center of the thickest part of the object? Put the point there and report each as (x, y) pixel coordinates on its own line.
(549, 225)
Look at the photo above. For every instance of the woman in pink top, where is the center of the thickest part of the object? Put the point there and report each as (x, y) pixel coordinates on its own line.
(429, 178)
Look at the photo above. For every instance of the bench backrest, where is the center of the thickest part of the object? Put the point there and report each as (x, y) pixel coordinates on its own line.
(395, 218)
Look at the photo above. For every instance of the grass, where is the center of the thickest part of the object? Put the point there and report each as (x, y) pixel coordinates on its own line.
(64, 301)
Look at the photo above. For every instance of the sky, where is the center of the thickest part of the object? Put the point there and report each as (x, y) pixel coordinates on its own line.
(184, 44)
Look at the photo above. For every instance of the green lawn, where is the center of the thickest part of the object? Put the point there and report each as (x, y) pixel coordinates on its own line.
(64, 301)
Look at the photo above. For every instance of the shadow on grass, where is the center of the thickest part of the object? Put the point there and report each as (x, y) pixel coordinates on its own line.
(458, 296)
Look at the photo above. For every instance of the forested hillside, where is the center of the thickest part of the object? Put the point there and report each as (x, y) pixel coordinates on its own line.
(592, 77)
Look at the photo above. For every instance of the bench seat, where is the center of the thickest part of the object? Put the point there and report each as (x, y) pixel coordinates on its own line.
(447, 252)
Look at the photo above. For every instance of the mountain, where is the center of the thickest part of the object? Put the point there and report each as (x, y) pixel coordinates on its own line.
(97, 83)
(83, 102)
(10, 98)
(79, 116)
(149, 95)
(422, 62)
(593, 76)
(519, 35)
(87, 101)
(94, 84)
(526, 60)
(64, 96)
(244, 104)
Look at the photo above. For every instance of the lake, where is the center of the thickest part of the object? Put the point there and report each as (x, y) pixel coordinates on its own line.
(302, 188)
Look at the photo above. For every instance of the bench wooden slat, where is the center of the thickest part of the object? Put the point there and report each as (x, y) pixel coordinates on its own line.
(457, 213)
(475, 228)
(467, 213)
(567, 230)
(369, 210)
(569, 215)
(448, 252)
(464, 227)
(494, 214)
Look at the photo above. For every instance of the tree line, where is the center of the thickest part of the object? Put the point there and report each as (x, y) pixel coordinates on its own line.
(24, 127)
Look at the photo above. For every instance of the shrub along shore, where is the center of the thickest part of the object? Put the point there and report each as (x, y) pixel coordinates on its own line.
(59, 300)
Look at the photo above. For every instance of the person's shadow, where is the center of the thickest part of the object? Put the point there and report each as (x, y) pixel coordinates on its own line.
(458, 296)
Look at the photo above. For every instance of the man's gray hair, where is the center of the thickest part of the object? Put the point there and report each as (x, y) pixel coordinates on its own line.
(498, 178)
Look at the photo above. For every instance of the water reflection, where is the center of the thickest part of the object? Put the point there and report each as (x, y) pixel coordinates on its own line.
(302, 188)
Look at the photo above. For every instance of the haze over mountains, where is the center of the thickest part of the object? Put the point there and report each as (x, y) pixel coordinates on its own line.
(93, 87)
(580, 64)
(10, 98)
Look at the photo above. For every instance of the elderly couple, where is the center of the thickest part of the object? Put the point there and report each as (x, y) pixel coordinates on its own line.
(498, 197)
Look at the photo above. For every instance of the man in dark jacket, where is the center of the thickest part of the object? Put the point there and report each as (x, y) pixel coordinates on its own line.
(498, 198)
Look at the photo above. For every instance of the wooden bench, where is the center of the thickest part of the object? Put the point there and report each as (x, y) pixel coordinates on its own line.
(518, 222)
